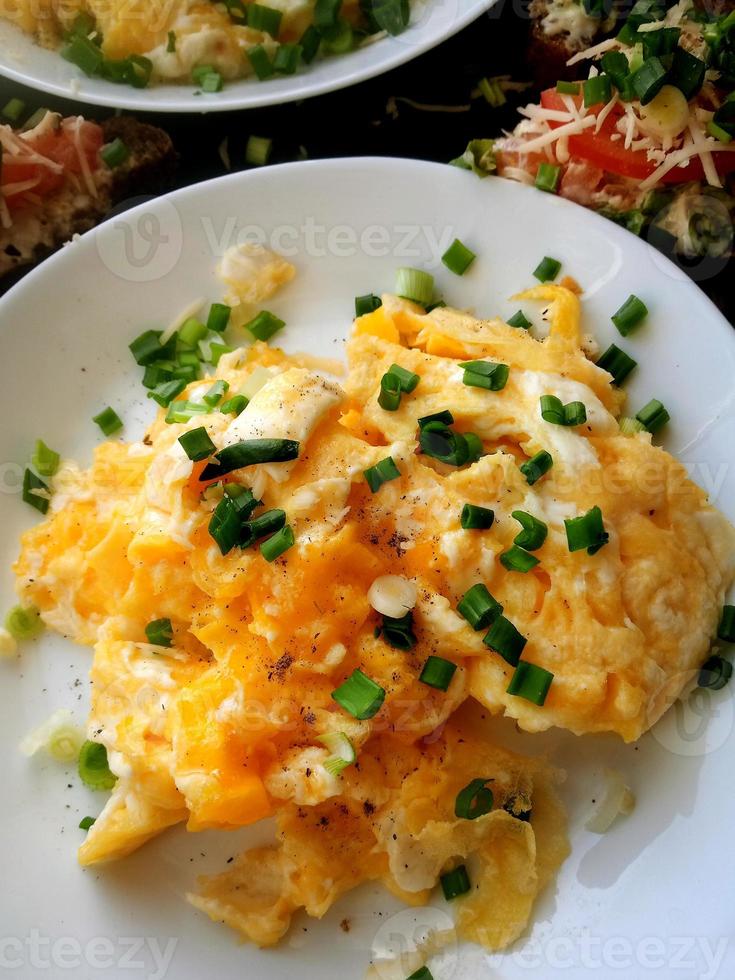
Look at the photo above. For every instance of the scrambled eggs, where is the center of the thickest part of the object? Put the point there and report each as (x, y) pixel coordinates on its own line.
(227, 725)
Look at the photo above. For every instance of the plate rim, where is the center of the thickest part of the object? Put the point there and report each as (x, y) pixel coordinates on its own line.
(190, 104)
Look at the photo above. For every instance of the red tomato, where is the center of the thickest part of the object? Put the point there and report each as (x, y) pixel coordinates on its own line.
(57, 146)
(599, 150)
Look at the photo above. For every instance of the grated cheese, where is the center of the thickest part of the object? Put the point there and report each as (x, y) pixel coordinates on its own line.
(569, 129)
(592, 52)
(82, 157)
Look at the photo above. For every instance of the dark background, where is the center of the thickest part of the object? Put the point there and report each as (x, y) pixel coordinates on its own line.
(373, 119)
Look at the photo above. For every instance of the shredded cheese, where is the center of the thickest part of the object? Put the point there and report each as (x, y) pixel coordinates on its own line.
(82, 157)
(569, 129)
(594, 51)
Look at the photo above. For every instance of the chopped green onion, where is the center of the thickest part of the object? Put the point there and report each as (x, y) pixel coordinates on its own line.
(653, 416)
(160, 632)
(715, 673)
(407, 379)
(504, 638)
(445, 417)
(474, 801)
(264, 325)
(155, 374)
(326, 13)
(567, 88)
(571, 414)
(648, 80)
(389, 397)
(339, 39)
(547, 177)
(629, 427)
(286, 59)
(114, 154)
(687, 72)
(596, 90)
(86, 822)
(491, 91)
(275, 546)
(192, 331)
(248, 452)
(35, 119)
(262, 18)
(196, 444)
(530, 682)
(258, 151)
(84, 53)
(184, 411)
(14, 109)
(440, 442)
(520, 321)
(200, 72)
(147, 347)
(359, 696)
(547, 269)
(518, 560)
(264, 525)
(108, 420)
(455, 883)
(188, 359)
(24, 623)
(217, 351)
(478, 607)
(219, 317)
(342, 749)
(93, 768)
(367, 304)
(35, 492)
(615, 64)
(309, 43)
(234, 405)
(474, 446)
(718, 132)
(474, 518)
(438, 673)
(534, 531)
(45, 460)
(586, 531)
(398, 631)
(416, 285)
(617, 363)
(216, 393)
(381, 473)
(536, 467)
(726, 629)
(261, 62)
(630, 315)
(485, 374)
(458, 258)
(171, 42)
(165, 392)
(423, 973)
(228, 519)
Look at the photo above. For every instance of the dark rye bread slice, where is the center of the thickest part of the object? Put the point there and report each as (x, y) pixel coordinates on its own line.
(548, 53)
(36, 232)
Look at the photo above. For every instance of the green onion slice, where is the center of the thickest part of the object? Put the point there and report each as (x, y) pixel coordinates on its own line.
(262, 18)
(24, 623)
(485, 374)
(108, 420)
(367, 304)
(183, 411)
(249, 452)
(547, 269)
(536, 467)
(617, 363)
(114, 154)
(630, 315)
(228, 519)
(196, 444)
(86, 822)
(359, 696)
(275, 546)
(147, 347)
(715, 673)
(474, 518)
(438, 673)
(398, 632)
(653, 416)
(442, 443)
(553, 411)
(504, 638)
(423, 973)
(474, 801)
(219, 317)
(629, 427)
(548, 176)
(534, 531)
(234, 405)
(726, 629)
(596, 90)
(530, 682)
(407, 379)
(262, 526)
(445, 417)
(520, 321)
(478, 607)
(455, 883)
(586, 531)
(216, 393)
(35, 492)
(93, 768)
(160, 632)
(458, 258)
(567, 88)
(381, 473)
(518, 560)
(264, 325)
(261, 62)
(416, 285)
(342, 749)
(389, 397)
(45, 460)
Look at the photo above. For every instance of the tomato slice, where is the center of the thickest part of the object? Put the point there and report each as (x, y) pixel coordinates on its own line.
(59, 146)
(599, 150)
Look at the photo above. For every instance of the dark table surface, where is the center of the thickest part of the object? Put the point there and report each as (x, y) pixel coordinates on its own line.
(423, 109)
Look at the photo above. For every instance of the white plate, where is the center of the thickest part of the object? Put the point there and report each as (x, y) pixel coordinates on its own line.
(654, 892)
(432, 21)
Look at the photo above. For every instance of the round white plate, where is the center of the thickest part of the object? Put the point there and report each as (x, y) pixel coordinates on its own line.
(432, 21)
(651, 897)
